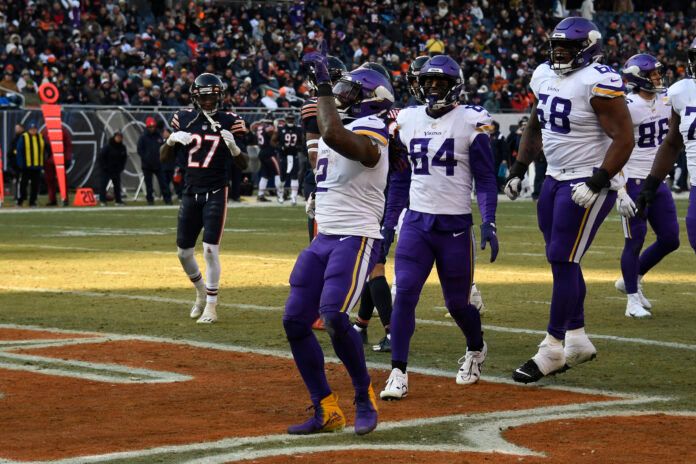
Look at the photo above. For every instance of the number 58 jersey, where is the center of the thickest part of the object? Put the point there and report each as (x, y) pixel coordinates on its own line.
(441, 174)
(574, 142)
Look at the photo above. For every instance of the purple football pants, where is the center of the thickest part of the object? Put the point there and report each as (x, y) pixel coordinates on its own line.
(416, 252)
(568, 231)
(327, 280)
(691, 218)
(662, 216)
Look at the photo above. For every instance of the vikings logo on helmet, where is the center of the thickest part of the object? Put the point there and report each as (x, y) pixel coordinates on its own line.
(575, 43)
(642, 71)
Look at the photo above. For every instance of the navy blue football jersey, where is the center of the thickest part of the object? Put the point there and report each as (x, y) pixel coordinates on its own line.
(207, 155)
(289, 138)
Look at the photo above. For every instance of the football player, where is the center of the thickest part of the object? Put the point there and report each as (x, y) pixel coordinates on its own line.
(329, 275)
(582, 123)
(209, 136)
(290, 138)
(650, 113)
(449, 148)
(681, 134)
(267, 140)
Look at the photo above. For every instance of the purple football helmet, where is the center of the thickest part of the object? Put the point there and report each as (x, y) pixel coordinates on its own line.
(691, 57)
(638, 70)
(363, 92)
(441, 67)
(581, 42)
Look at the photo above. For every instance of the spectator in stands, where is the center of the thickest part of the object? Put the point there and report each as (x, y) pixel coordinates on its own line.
(112, 161)
(12, 168)
(32, 150)
(149, 145)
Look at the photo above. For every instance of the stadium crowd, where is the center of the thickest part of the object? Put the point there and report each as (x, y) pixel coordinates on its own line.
(109, 52)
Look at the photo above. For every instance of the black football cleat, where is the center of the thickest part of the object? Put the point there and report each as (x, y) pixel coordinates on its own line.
(527, 373)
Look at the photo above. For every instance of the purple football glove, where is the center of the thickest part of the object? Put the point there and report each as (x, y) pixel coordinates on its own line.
(319, 64)
(488, 235)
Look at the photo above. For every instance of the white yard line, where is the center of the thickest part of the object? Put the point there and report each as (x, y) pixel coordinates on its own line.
(484, 433)
(430, 322)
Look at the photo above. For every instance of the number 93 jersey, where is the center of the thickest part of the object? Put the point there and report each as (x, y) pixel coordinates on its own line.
(650, 125)
(349, 195)
(574, 142)
(441, 176)
(682, 97)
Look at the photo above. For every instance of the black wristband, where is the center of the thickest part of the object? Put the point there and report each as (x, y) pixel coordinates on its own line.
(651, 183)
(599, 180)
(324, 90)
(519, 169)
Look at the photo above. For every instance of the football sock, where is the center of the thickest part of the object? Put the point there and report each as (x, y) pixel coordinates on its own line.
(263, 182)
(348, 347)
(294, 187)
(401, 365)
(212, 281)
(360, 324)
(577, 316)
(366, 305)
(278, 186)
(381, 295)
(308, 357)
(403, 325)
(629, 263)
(565, 295)
(188, 262)
(469, 321)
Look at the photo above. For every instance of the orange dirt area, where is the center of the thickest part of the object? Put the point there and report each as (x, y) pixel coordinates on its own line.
(7, 335)
(231, 395)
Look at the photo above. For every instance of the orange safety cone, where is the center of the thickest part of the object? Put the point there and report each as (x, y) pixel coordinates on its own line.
(84, 197)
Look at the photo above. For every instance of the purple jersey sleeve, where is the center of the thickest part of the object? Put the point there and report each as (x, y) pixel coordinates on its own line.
(397, 196)
(482, 167)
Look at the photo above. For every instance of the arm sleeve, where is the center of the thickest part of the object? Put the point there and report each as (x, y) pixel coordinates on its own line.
(483, 170)
(397, 196)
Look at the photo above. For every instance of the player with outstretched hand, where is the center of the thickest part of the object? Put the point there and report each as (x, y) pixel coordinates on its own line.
(210, 136)
(582, 123)
(329, 275)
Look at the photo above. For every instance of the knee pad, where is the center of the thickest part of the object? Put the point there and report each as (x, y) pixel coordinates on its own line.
(296, 330)
(336, 323)
(184, 253)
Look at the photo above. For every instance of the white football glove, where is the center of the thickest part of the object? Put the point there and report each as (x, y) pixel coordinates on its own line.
(624, 204)
(181, 137)
(228, 137)
(310, 206)
(513, 187)
(583, 195)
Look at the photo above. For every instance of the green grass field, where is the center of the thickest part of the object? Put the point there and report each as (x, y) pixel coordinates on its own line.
(116, 270)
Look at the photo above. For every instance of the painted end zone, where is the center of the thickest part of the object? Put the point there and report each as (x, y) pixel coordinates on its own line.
(223, 394)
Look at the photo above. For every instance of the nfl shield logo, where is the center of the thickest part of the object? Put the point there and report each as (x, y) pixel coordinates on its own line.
(205, 127)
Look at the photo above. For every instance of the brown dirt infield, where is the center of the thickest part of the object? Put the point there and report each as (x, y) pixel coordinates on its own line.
(231, 395)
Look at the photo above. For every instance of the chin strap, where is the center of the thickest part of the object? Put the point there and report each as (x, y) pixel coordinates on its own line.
(216, 126)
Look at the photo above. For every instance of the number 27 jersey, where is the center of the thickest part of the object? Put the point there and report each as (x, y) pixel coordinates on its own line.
(573, 140)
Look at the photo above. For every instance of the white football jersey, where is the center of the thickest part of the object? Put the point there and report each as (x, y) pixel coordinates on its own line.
(650, 125)
(438, 149)
(350, 196)
(574, 142)
(682, 97)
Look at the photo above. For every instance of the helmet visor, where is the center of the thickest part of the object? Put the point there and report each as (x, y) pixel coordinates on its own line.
(346, 92)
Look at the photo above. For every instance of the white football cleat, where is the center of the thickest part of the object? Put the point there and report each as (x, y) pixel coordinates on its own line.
(397, 385)
(209, 315)
(643, 301)
(196, 311)
(470, 371)
(550, 358)
(635, 308)
(578, 349)
(476, 299)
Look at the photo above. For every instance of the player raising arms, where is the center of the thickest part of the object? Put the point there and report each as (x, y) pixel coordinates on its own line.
(650, 114)
(267, 139)
(208, 136)
(329, 275)
(449, 148)
(582, 123)
(682, 131)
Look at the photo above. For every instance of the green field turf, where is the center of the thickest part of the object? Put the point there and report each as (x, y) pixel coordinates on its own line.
(75, 269)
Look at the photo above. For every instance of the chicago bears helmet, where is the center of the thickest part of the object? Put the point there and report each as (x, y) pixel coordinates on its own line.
(363, 92)
(644, 72)
(574, 43)
(691, 58)
(207, 93)
(377, 67)
(336, 70)
(441, 81)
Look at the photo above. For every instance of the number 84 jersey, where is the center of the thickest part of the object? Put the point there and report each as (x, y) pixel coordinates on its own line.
(438, 148)
(574, 142)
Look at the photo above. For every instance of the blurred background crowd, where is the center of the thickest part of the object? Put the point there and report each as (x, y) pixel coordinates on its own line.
(140, 52)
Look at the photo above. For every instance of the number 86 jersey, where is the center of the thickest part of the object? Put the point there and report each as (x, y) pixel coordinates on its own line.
(574, 142)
